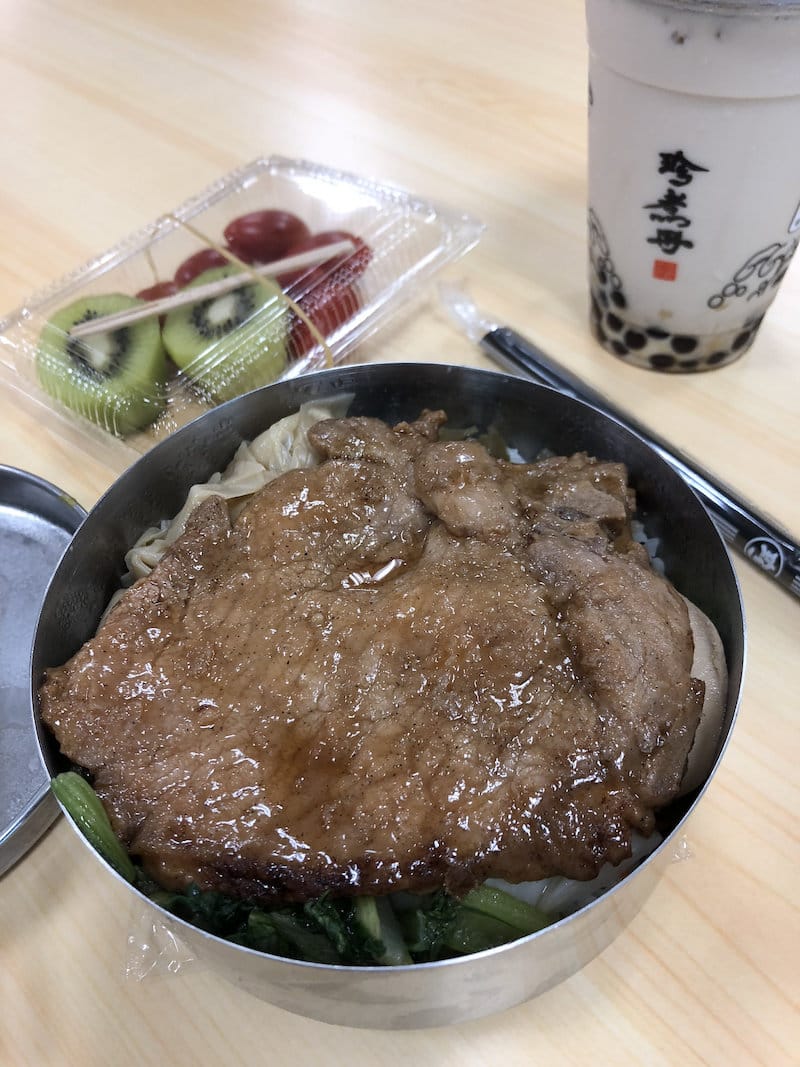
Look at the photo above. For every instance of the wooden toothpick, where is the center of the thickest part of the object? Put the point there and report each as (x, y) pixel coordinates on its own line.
(193, 294)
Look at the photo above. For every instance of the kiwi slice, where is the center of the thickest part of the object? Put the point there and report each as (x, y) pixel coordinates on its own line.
(115, 379)
(232, 343)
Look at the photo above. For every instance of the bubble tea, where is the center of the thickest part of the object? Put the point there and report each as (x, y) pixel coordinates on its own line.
(694, 174)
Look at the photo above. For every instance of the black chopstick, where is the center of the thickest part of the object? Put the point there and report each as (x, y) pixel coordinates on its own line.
(759, 539)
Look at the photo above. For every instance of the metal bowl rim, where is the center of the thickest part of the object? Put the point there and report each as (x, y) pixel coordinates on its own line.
(553, 928)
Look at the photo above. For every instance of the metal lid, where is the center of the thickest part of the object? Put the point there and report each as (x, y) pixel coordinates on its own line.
(733, 7)
(37, 522)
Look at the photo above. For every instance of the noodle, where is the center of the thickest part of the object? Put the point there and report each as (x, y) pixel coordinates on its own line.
(283, 447)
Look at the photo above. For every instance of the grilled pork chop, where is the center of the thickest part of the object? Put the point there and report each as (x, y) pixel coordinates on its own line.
(410, 666)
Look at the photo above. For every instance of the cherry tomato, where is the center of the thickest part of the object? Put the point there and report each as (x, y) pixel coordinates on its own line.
(328, 307)
(158, 291)
(263, 236)
(201, 261)
(340, 270)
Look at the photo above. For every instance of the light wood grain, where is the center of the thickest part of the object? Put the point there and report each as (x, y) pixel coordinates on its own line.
(115, 112)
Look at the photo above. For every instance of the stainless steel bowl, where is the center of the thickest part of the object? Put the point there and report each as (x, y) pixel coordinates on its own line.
(530, 418)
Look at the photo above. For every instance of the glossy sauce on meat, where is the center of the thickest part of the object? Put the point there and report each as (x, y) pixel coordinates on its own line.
(410, 666)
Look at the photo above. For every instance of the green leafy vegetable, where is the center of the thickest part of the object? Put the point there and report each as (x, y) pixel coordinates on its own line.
(393, 931)
(260, 933)
(331, 922)
(304, 935)
(217, 913)
(473, 932)
(425, 928)
(88, 813)
(379, 923)
(498, 904)
(339, 920)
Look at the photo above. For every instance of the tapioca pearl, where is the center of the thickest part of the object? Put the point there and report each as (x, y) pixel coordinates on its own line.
(690, 364)
(619, 348)
(741, 340)
(602, 277)
(716, 357)
(634, 339)
(662, 361)
(618, 299)
(656, 332)
(683, 344)
(614, 322)
(603, 298)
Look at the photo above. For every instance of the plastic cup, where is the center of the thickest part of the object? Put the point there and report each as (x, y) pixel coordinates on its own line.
(694, 174)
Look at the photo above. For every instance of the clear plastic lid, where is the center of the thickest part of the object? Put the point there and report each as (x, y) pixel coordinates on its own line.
(138, 378)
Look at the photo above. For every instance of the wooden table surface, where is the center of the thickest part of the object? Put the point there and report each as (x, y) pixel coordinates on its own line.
(113, 113)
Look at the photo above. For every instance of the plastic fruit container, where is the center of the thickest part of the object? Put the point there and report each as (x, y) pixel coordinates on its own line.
(135, 384)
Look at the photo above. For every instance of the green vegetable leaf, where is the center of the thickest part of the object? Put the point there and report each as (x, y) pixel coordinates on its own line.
(379, 923)
(260, 933)
(86, 810)
(498, 904)
(473, 932)
(330, 920)
(217, 913)
(392, 931)
(425, 928)
(304, 936)
(395, 952)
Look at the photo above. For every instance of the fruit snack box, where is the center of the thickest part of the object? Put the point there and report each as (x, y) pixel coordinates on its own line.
(351, 254)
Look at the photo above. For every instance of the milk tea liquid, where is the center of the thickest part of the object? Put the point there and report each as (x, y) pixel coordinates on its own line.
(694, 174)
